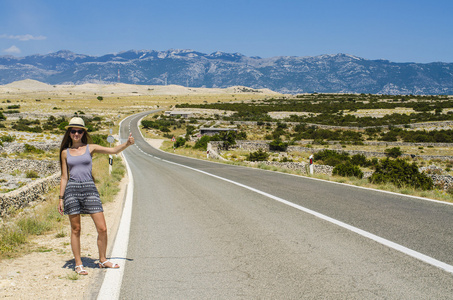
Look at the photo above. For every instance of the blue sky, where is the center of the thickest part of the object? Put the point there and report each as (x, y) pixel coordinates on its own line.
(400, 31)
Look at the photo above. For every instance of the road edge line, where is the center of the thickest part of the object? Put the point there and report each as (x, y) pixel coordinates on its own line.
(111, 285)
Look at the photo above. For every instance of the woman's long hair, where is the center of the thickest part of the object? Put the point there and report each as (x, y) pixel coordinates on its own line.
(67, 141)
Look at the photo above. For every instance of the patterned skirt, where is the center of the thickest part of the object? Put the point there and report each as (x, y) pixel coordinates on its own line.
(81, 197)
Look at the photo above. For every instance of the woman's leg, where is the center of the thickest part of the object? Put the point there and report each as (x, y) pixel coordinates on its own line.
(75, 238)
(101, 227)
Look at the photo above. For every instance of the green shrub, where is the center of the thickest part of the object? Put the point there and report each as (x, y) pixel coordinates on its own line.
(32, 149)
(331, 157)
(202, 143)
(286, 159)
(393, 152)
(347, 169)
(180, 141)
(31, 174)
(23, 127)
(259, 155)
(278, 145)
(8, 138)
(360, 160)
(100, 139)
(62, 125)
(242, 135)
(400, 173)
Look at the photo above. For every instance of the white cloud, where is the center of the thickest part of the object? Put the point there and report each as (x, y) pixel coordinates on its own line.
(12, 50)
(23, 38)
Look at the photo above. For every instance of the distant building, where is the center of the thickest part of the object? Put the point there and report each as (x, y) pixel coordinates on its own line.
(213, 131)
(183, 114)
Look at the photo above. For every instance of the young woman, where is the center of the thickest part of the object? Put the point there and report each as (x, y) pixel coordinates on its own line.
(78, 194)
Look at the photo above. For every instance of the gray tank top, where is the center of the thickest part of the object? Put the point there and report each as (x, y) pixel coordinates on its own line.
(80, 166)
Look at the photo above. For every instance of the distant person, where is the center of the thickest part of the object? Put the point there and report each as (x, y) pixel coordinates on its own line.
(78, 194)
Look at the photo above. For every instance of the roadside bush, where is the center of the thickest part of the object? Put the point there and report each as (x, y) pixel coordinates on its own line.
(180, 141)
(347, 169)
(161, 124)
(400, 173)
(278, 145)
(202, 143)
(332, 158)
(360, 160)
(259, 155)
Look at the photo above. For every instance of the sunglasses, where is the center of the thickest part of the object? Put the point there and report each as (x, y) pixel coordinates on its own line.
(80, 131)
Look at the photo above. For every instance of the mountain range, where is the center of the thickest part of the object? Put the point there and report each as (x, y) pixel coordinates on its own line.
(338, 73)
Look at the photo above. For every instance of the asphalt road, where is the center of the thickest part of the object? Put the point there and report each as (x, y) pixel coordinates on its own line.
(195, 235)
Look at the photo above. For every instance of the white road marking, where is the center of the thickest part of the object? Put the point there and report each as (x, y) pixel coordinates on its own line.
(111, 286)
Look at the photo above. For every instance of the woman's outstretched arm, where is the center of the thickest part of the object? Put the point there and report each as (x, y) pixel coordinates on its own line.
(114, 150)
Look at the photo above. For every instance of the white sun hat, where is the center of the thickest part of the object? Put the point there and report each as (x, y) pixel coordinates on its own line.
(76, 122)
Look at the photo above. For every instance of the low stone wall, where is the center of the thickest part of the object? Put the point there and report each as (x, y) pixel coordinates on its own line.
(264, 145)
(415, 125)
(20, 147)
(443, 182)
(301, 166)
(42, 167)
(23, 196)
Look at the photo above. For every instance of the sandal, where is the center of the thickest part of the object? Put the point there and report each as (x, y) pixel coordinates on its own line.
(103, 265)
(81, 270)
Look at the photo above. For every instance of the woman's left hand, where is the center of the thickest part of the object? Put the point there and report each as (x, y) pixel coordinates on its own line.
(60, 207)
(130, 140)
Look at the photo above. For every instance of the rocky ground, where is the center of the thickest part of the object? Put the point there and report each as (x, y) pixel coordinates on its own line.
(13, 169)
